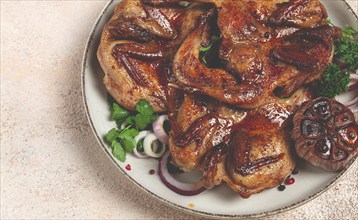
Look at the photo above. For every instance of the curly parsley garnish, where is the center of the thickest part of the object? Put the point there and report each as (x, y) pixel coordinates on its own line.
(347, 48)
(335, 79)
(334, 82)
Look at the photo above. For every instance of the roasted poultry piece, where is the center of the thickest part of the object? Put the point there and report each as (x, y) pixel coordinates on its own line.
(249, 150)
(138, 45)
(266, 47)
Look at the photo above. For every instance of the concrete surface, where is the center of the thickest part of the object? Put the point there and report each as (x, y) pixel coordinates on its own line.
(51, 164)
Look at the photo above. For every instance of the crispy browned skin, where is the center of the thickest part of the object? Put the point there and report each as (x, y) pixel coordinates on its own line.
(213, 137)
(199, 125)
(137, 46)
(265, 46)
(258, 157)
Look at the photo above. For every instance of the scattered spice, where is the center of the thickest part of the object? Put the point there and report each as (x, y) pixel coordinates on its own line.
(151, 172)
(191, 205)
(290, 181)
(282, 187)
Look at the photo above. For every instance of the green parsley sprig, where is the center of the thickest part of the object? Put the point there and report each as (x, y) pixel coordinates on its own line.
(335, 80)
(204, 51)
(122, 140)
(347, 48)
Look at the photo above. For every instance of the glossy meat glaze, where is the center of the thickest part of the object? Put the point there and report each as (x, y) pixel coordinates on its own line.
(226, 117)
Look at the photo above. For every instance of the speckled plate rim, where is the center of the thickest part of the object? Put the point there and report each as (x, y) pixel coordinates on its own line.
(182, 208)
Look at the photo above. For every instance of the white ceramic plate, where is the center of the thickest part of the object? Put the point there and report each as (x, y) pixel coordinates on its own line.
(220, 201)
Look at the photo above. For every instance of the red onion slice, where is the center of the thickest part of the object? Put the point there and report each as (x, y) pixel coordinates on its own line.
(353, 102)
(159, 129)
(354, 108)
(353, 86)
(353, 76)
(184, 189)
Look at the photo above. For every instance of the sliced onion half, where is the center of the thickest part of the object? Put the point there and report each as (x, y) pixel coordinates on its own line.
(354, 76)
(185, 189)
(354, 109)
(158, 129)
(353, 85)
(353, 102)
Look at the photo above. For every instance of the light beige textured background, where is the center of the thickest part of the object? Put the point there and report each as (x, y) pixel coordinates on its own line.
(51, 164)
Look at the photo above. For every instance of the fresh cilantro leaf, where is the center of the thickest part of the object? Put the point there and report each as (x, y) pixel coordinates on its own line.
(112, 135)
(128, 132)
(128, 143)
(334, 82)
(142, 121)
(204, 51)
(146, 114)
(329, 22)
(119, 122)
(144, 107)
(118, 151)
(131, 120)
(118, 112)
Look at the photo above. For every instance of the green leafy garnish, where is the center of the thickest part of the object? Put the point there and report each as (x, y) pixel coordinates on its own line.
(146, 114)
(335, 79)
(348, 33)
(204, 51)
(329, 22)
(130, 120)
(347, 49)
(118, 151)
(128, 143)
(334, 82)
(122, 140)
(118, 112)
(127, 132)
(112, 135)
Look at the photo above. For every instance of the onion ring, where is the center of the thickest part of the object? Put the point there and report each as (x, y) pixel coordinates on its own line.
(159, 129)
(184, 189)
(139, 137)
(150, 150)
